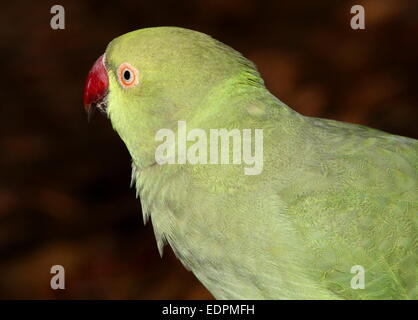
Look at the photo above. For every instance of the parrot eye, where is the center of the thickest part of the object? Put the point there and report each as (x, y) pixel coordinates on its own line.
(128, 75)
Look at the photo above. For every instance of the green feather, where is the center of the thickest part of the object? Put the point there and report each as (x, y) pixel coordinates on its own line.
(331, 195)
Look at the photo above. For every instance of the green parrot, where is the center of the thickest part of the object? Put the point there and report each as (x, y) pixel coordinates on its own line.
(329, 212)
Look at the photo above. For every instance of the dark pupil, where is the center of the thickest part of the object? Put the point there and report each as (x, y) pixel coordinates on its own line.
(127, 75)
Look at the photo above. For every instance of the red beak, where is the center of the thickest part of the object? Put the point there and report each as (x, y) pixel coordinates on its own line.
(96, 87)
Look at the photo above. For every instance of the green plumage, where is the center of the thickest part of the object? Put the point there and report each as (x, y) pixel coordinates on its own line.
(331, 195)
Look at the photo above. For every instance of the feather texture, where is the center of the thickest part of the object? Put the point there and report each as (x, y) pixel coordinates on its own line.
(331, 195)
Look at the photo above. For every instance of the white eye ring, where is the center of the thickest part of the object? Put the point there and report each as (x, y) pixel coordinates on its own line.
(127, 75)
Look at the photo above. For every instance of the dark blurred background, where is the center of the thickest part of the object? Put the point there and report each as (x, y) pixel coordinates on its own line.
(64, 187)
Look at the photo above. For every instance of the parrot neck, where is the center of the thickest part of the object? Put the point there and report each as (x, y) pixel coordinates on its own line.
(240, 101)
(227, 107)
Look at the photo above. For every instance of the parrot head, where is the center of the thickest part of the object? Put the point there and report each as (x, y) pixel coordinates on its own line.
(151, 78)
